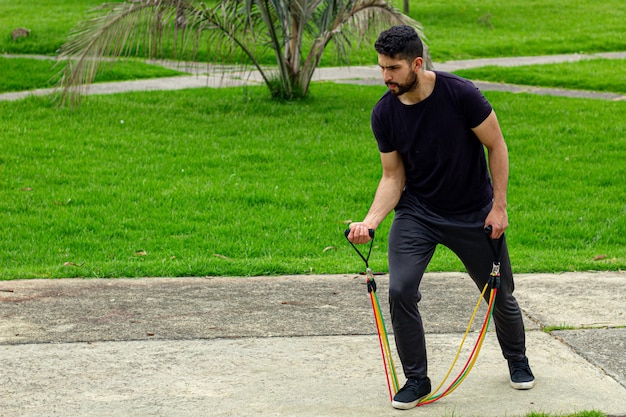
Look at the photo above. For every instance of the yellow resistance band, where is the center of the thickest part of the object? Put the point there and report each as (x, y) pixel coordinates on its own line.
(473, 356)
(383, 338)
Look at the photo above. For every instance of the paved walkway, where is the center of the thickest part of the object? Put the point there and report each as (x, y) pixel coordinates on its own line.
(205, 76)
(293, 346)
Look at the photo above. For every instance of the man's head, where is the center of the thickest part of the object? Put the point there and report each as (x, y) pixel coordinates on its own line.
(400, 58)
(400, 42)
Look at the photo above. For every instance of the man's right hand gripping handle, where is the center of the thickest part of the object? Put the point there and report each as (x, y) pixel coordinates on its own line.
(359, 233)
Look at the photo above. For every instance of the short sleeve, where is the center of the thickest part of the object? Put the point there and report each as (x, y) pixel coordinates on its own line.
(379, 131)
(475, 106)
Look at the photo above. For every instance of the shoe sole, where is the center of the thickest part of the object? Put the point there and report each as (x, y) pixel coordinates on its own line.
(523, 385)
(407, 406)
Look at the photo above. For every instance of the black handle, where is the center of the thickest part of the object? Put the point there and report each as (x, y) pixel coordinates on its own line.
(495, 248)
(372, 232)
(365, 259)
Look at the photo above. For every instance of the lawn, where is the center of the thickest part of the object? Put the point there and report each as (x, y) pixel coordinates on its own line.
(492, 28)
(49, 22)
(20, 74)
(457, 29)
(193, 183)
(591, 74)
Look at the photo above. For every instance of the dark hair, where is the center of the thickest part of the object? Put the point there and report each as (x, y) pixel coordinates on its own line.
(400, 42)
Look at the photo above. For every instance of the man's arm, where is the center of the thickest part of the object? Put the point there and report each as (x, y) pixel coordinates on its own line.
(387, 196)
(489, 133)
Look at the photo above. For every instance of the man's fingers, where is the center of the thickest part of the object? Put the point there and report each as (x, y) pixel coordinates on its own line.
(359, 234)
(496, 232)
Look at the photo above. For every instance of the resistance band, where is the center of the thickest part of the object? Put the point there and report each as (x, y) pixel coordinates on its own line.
(433, 396)
(381, 329)
(383, 338)
(494, 283)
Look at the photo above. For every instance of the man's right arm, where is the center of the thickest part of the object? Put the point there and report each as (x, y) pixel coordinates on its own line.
(387, 196)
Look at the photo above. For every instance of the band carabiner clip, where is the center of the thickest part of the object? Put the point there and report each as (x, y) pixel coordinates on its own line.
(371, 284)
(494, 280)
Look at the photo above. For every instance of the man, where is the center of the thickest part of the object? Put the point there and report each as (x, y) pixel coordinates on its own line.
(432, 128)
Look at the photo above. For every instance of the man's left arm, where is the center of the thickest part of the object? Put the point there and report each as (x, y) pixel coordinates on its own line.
(489, 133)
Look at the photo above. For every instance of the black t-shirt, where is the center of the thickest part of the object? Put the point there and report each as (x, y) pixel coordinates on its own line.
(444, 161)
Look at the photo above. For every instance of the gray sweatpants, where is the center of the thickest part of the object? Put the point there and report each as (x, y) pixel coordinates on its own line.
(414, 235)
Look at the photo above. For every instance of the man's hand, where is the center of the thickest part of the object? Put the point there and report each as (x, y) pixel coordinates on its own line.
(359, 233)
(498, 219)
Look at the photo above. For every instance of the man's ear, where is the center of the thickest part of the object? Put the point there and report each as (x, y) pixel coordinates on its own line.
(417, 64)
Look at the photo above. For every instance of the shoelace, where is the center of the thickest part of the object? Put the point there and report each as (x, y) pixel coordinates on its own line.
(413, 385)
(520, 369)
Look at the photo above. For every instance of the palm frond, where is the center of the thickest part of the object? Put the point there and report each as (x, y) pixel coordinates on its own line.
(295, 31)
(116, 30)
(343, 22)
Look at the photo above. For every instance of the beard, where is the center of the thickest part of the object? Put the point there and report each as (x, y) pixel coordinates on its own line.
(410, 85)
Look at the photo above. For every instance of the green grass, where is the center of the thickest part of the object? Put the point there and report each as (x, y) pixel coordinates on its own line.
(186, 176)
(563, 190)
(491, 28)
(562, 184)
(581, 414)
(20, 74)
(229, 182)
(456, 29)
(49, 21)
(592, 74)
(548, 329)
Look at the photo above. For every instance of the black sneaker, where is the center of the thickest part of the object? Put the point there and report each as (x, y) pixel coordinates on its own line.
(521, 375)
(413, 391)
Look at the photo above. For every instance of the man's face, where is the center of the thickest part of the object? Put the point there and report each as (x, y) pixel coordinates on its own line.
(399, 76)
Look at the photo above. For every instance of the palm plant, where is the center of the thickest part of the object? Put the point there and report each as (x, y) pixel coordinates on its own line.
(296, 32)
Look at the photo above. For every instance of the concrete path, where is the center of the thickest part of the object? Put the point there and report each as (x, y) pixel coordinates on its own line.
(293, 346)
(211, 76)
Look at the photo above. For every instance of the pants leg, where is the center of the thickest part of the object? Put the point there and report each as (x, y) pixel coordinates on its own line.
(413, 238)
(410, 250)
(471, 246)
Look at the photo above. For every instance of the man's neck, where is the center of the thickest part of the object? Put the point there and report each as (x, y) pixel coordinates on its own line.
(425, 87)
